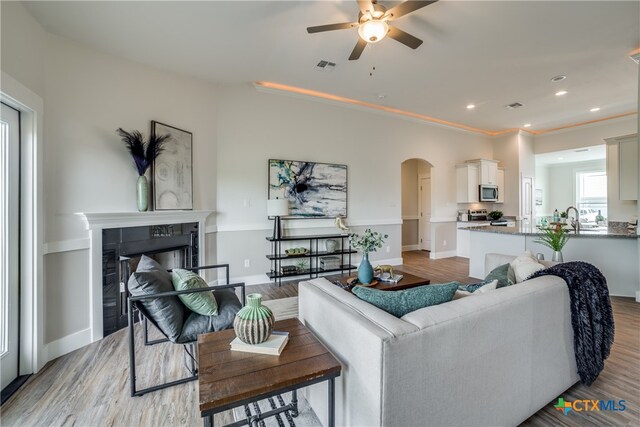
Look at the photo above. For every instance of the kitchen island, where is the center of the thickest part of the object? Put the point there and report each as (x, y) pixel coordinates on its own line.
(613, 249)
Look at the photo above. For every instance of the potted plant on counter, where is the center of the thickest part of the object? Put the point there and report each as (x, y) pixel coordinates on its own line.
(554, 238)
(370, 241)
(495, 215)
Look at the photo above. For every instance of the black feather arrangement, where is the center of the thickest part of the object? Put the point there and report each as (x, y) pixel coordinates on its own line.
(143, 154)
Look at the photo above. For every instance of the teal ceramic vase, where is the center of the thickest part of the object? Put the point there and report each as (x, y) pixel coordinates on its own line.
(142, 193)
(365, 270)
(254, 322)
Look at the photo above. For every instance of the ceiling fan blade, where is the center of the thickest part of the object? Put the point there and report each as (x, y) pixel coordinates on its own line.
(404, 38)
(365, 5)
(357, 51)
(331, 27)
(407, 7)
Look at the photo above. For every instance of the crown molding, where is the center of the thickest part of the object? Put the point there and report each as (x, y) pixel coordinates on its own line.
(279, 87)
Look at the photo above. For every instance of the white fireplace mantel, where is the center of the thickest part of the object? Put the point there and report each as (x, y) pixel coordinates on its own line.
(95, 222)
(102, 220)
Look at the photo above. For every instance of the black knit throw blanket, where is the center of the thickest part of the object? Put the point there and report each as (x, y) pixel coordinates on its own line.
(591, 315)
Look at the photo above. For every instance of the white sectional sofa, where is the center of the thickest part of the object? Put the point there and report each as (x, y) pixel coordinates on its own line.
(492, 359)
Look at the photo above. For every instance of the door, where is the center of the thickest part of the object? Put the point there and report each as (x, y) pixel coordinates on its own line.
(425, 214)
(9, 247)
(526, 211)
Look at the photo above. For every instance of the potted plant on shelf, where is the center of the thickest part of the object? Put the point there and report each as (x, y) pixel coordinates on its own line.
(370, 241)
(554, 238)
(143, 154)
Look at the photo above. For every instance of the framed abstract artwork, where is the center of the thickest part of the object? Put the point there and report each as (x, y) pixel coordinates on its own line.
(172, 169)
(314, 190)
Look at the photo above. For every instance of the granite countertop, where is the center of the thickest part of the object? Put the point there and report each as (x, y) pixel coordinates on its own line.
(614, 229)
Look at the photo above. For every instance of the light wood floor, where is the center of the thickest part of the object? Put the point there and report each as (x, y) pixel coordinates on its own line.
(90, 386)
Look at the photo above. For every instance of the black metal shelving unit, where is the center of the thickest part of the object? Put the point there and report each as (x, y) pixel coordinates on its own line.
(313, 255)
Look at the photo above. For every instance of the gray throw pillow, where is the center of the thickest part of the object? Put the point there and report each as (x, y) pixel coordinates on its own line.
(500, 274)
(166, 312)
(399, 303)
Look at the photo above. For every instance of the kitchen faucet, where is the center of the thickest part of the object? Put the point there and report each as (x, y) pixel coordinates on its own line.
(575, 223)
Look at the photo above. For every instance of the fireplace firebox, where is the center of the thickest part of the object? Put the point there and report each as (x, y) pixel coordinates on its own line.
(172, 245)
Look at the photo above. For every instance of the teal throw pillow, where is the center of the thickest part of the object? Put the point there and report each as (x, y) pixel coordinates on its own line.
(500, 274)
(201, 302)
(399, 303)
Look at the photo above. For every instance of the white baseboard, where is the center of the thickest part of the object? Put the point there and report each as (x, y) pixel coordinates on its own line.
(410, 248)
(68, 344)
(443, 254)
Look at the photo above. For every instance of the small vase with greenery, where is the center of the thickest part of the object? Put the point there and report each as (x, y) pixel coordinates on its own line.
(563, 217)
(143, 154)
(554, 238)
(370, 241)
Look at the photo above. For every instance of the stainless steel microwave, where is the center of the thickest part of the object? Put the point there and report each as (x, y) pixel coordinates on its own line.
(488, 193)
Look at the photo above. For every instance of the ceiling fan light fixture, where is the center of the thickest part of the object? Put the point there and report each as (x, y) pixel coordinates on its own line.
(373, 31)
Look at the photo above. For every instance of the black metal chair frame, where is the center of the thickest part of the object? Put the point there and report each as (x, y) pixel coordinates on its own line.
(132, 302)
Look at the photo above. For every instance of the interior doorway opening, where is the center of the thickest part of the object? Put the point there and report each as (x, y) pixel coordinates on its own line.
(416, 188)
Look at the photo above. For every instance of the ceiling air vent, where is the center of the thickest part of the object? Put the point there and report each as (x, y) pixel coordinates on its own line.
(325, 66)
(514, 106)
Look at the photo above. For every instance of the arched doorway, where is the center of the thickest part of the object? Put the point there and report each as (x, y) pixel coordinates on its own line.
(416, 205)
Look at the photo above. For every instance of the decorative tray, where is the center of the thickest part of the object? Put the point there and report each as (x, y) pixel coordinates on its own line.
(296, 251)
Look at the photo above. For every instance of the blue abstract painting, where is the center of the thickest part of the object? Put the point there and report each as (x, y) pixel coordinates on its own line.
(314, 190)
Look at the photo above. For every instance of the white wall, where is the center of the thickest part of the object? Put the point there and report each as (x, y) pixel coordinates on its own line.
(506, 150)
(23, 46)
(584, 136)
(87, 95)
(255, 126)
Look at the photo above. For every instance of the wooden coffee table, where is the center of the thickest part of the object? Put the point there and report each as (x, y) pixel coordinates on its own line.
(408, 281)
(228, 379)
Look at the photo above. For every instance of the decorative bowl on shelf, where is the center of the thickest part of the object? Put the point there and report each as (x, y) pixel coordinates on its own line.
(296, 251)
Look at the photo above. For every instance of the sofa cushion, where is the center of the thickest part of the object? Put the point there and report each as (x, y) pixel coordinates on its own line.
(167, 313)
(500, 274)
(475, 288)
(201, 302)
(399, 303)
(524, 266)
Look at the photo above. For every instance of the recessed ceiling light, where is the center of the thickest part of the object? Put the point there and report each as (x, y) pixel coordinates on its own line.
(382, 95)
(594, 109)
(560, 158)
(470, 107)
(558, 78)
(562, 92)
(527, 125)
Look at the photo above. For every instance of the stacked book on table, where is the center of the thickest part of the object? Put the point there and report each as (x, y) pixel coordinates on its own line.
(273, 345)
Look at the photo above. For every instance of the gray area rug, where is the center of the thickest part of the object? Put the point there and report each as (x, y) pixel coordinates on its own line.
(306, 417)
(283, 308)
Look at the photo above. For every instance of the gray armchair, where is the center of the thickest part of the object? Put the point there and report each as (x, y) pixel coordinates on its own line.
(153, 297)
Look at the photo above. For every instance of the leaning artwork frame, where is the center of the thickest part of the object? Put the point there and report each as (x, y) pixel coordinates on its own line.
(172, 171)
(313, 189)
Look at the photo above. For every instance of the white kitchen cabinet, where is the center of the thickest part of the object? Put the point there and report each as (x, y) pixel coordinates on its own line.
(467, 183)
(628, 152)
(488, 172)
(500, 186)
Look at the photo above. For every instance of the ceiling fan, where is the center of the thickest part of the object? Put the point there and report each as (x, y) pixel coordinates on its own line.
(373, 24)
